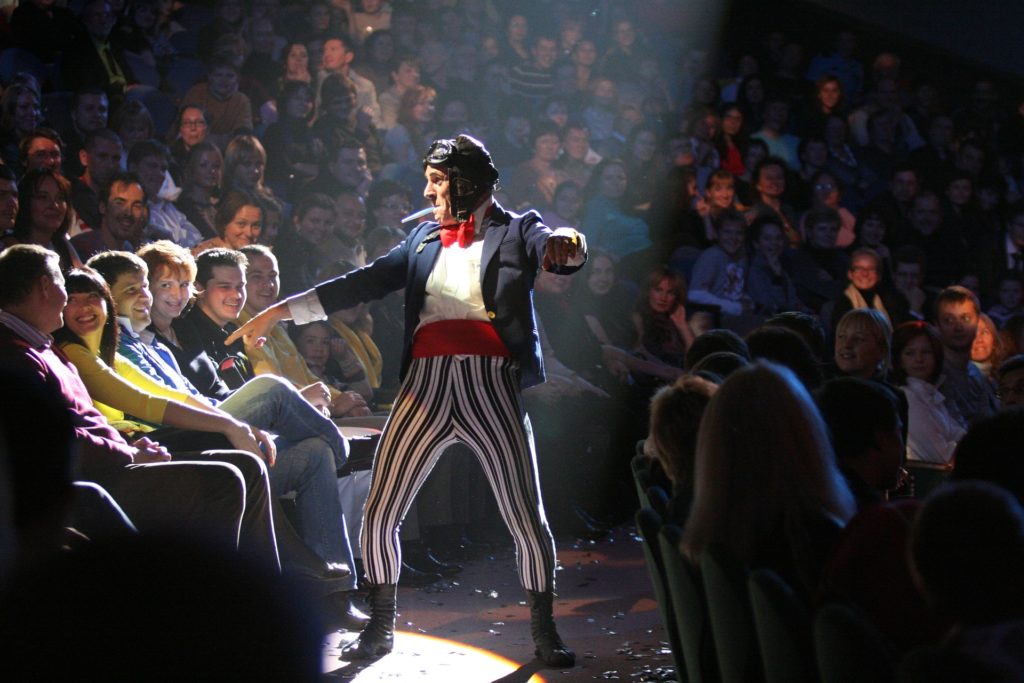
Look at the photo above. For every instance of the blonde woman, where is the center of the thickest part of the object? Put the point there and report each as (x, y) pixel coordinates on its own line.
(766, 485)
(863, 344)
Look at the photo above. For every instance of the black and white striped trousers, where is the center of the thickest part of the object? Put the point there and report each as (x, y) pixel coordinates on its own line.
(444, 400)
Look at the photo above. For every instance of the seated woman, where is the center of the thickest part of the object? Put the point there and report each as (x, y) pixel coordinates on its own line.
(238, 222)
(203, 173)
(676, 412)
(865, 289)
(863, 340)
(189, 130)
(988, 350)
(605, 301)
(917, 365)
(45, 215)
(292, 150)
(760, 427)
(662, 331)
(606, 221)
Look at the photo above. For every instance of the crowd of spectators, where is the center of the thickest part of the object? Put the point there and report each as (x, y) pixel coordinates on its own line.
(798, 199)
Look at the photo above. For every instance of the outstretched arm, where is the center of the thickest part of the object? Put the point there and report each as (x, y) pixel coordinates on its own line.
(256, 331)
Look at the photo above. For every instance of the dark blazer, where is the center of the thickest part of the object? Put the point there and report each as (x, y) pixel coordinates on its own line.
(513, 251)
(82, 68)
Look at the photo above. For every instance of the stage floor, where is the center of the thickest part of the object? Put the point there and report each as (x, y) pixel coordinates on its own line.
(476, 629)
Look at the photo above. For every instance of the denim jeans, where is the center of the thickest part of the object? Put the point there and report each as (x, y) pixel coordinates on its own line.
(270, 403)
(310, 449)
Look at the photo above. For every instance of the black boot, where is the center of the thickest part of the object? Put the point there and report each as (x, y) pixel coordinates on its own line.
(378, 637)
(342, 614)
(550, 648)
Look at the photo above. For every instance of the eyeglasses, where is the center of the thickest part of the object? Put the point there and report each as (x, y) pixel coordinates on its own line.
(193, 123)
(824, 186)
(864, 269)
(396, 206)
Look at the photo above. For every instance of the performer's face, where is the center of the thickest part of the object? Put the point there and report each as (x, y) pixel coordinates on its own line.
(436, 191)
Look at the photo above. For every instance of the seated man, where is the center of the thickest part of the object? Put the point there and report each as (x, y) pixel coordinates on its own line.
(224, 498)
(100, 156)
(220, 298)
(818, 267)
(151, 159)
(122, 208)
(279, 356)
(310, 447)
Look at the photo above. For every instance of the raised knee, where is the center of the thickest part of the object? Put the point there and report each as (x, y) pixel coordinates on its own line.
(271, 384)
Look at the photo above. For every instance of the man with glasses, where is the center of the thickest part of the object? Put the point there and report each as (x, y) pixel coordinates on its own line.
(470, 346)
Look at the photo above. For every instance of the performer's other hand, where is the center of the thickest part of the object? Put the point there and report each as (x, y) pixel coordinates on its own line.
(563, 245)
(254, 333)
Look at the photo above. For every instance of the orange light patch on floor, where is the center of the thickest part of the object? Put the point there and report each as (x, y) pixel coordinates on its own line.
(429, 659)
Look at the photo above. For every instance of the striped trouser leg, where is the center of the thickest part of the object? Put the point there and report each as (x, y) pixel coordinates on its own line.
(443, 400)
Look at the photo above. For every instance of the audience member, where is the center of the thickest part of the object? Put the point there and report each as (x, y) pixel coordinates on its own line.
(787, 348)
(818, 267)
(203, 172)
(207, 499)
(969, 396)
(238, 222)
(45, 215)
(123, 208)
(93, 58)
(227, 110)
(279, 356)
(967, 548)
(100, 159)
(917, 355)
(760, 426)
(768, 285)
(863, 343)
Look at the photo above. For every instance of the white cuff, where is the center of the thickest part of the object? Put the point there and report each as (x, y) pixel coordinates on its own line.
(306, 308)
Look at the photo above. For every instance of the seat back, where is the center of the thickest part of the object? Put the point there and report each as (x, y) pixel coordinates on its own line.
(725, 587)
(641, 476)
(689, 607)
(648, 523)
(849, 648)
(926, 476)
(783, 626)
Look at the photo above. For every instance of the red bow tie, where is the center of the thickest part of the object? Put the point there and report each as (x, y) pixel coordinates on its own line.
(463, 232)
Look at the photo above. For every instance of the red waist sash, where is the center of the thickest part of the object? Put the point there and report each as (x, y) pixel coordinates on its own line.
(458, 337)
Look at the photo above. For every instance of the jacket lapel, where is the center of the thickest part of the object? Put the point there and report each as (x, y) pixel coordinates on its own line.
(493, 237)
(425, 257)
